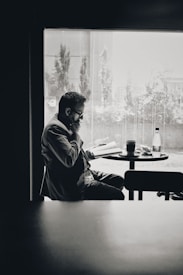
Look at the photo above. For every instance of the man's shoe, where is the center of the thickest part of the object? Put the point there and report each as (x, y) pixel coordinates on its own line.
(160, 193)
(177, 196)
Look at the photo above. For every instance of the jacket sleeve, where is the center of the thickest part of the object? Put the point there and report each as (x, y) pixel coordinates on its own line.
(66, 151)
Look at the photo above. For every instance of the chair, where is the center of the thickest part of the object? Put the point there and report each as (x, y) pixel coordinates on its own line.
(140, 181)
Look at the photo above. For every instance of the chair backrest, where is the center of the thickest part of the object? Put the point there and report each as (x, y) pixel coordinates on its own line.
(166, 181)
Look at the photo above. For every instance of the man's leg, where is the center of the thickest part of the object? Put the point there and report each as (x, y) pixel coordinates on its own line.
(110, 179)
(101, 191)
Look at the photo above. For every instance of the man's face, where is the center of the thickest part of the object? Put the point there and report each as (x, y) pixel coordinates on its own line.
(75, 116)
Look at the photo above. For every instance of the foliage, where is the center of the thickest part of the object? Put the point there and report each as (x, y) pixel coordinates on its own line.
(108, 114)
(161, 103)
(130, 101)
(105, 78)
(61, 70)
(58, 81)
(84, 79)
(157, 105)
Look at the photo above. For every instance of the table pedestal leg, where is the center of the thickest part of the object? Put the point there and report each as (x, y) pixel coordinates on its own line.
(132, 164)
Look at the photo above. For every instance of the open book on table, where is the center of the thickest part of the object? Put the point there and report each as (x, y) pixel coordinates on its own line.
(105, 149)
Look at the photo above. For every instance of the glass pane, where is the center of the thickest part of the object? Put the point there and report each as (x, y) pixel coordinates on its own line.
(133, 81)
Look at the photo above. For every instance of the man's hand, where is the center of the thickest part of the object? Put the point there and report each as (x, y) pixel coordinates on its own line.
(76, 137)
(89, 154)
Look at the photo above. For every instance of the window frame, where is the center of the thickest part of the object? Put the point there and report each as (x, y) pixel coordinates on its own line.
(36, 80)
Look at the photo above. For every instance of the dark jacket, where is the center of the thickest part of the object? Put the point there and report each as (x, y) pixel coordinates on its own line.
(65, 162)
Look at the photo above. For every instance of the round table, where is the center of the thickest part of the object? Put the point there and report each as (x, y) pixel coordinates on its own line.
(137, 157)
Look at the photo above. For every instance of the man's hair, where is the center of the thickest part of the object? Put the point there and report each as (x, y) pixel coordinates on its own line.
(70, 99)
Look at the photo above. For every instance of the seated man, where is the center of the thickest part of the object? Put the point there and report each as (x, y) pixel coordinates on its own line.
(68, 175)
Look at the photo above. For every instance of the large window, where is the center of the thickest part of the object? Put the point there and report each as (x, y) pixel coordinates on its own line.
(133, 81)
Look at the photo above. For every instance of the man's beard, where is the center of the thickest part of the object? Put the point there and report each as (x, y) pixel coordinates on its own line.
(75, 126)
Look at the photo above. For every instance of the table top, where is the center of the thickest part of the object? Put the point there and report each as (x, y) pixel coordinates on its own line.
(137, 157)
(95, 237)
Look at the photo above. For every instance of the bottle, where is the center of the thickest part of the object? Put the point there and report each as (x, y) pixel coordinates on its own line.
(156, 143)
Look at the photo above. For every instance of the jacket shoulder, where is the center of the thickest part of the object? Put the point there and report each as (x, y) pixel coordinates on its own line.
(56, 126)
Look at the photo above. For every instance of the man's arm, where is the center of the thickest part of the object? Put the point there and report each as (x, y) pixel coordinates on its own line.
(65, 149)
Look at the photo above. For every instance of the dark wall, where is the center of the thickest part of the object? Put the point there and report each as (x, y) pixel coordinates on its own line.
(22, 42)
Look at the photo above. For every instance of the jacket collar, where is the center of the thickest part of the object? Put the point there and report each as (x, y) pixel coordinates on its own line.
(56, 121)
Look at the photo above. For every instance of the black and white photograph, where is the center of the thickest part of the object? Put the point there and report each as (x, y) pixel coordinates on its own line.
(93, 127)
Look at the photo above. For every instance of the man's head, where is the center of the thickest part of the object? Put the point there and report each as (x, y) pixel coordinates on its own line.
(71, 108)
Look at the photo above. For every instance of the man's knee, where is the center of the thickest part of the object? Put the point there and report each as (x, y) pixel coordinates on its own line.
(122, 196)
(118, 181)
